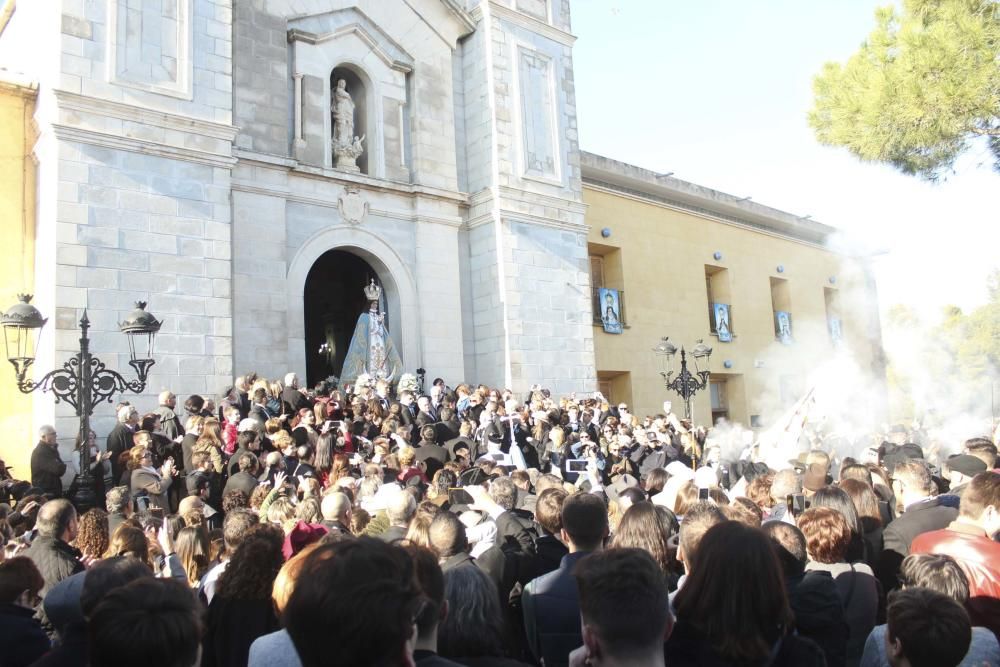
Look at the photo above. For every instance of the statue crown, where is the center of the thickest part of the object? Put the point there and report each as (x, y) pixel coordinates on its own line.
(373, 291)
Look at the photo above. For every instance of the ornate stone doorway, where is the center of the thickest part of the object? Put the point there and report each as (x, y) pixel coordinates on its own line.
(332, 300)
(371, 257)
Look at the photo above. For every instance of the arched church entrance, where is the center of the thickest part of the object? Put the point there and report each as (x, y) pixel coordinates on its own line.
(333, 298)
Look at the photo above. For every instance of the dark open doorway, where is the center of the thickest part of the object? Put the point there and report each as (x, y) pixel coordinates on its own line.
(333, 299)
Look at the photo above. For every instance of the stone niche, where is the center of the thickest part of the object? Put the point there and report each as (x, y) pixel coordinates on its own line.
(347, 44)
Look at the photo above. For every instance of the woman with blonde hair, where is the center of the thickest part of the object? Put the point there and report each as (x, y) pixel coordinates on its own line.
(210, 442)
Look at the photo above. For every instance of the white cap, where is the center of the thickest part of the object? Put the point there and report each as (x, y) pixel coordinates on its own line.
(248, 424)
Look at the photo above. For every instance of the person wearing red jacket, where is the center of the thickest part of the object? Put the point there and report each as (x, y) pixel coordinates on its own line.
(969, 540)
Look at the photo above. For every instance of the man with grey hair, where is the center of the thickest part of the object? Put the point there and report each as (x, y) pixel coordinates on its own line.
(169, 422)
(47, 466)
(401, 508)
(50, 551)
(336, 508)
(292, 398)
(118, 502)
(120, 437)
(786, 483)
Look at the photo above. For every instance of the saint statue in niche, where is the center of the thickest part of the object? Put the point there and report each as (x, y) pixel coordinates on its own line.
(371, 350)
(346, 146)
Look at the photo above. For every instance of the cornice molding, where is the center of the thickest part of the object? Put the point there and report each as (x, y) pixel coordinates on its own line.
(131, 112)
(92, 137)
(294, 168)
(299, 35)
(705, 215)
(528, 22)
(529, 197)
(326, 202)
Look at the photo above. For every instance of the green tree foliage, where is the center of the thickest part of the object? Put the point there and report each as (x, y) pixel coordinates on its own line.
(920, 91)
(951, 367)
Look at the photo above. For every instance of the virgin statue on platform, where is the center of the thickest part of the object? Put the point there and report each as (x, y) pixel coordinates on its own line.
(371, 351)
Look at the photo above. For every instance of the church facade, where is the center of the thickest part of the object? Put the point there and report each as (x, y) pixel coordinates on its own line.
(188, 155)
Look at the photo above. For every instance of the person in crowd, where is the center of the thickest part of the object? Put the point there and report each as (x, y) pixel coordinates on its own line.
(352, 582)
(813, 596)
(836, 498)
(170, 423)
(235, 527)
(785, 483)
(22, 640)
(241, 609)
(624, 609)
(118, 503)
(246, 479)
(47, 467)
(337, 509)
(923, 511)
(120, 438)
(970, 540)
(866, 504)
(56, 527)
(148, 622)
(276, 649)
(100, 469)
(401, 508)
(733, 609)
(92, 534)
(697, 521)
(154, 482)
(926, 628)
(473, 631)
(641, 528)
(191, 546)
(550, 602)
(77, 597)
(943, 575)
(828, 538)
(449, 541)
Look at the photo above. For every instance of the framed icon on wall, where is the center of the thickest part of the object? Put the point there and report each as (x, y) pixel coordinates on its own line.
(723, 329)
(611, 310)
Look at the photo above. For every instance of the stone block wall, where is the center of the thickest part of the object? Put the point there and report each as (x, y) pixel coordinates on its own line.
(170, 55)
(262, 80)
(130, 227)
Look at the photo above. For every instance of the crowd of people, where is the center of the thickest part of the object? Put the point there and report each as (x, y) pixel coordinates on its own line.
(471, 526)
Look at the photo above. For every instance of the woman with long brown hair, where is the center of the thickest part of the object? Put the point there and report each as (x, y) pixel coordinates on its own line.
(867, 506)
(641, 527)
(733, 609)
(192, 548)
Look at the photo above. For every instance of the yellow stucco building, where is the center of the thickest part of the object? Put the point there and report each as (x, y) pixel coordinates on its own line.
(672, 249)
(17, 236)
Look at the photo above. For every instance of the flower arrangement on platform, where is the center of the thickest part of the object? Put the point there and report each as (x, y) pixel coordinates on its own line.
(407, 382)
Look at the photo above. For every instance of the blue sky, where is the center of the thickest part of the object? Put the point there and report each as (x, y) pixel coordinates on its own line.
(717, 91)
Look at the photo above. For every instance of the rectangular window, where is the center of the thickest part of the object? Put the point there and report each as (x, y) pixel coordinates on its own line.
(606, 271)
(720, 402)
(834, 325)
(781, 306)
(720, 310)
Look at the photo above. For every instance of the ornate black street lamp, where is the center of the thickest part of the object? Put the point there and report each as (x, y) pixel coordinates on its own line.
(84, 380)
(686, 384)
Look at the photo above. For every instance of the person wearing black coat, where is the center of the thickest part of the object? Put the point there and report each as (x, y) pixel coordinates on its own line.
(47, 467)
(120, 438)
(923, 512)
(22, 640)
